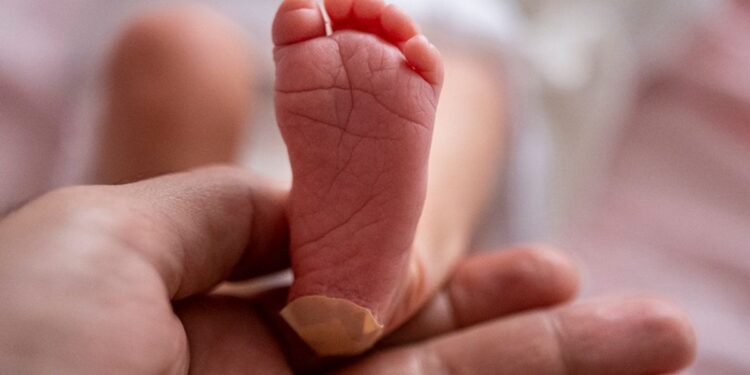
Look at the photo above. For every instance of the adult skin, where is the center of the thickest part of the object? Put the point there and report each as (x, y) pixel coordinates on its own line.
(118, 280)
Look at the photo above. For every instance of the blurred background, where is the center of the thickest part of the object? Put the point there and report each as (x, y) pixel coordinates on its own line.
(628, 125)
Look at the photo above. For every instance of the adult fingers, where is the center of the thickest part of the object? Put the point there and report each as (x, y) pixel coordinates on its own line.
(229, 335)
(484, 286)
(222, 223)
(490, 285)
(195, 228)
(612, 336)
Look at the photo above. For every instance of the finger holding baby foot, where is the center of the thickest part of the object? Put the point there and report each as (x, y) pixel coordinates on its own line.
(490, 285)
(356, 112)
(621, 335)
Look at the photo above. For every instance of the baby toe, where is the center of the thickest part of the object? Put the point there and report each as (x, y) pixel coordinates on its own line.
(368, 11)
(339, 10)
(397, 25)
(297, 21)
(425, 59)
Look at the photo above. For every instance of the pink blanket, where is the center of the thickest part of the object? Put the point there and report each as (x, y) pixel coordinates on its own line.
(674, 214)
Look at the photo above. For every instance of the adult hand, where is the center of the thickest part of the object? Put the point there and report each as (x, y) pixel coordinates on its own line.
(117, 279)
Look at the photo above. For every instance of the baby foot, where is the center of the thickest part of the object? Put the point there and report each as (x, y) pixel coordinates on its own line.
(356, 110)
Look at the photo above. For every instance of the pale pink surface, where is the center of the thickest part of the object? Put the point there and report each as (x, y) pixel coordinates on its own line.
(674, 217)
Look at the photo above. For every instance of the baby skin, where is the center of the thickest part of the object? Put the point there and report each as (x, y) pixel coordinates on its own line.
(356, 109)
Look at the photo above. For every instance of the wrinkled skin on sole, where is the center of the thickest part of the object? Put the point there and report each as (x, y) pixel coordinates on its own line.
(356, 110)
(357, 120)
